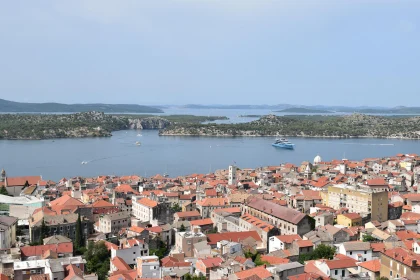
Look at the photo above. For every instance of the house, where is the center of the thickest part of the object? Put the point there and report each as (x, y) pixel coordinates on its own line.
(62, 250)
(187, 216)
(204, 266)
(208, 205)
(338, 268)
(15, 185)
(185, 241)
(130, 250)
(244, 237)
(260, 271)
(118, 264)
(372, 268)
(286, 270)
(7, 231)
(102, 207)
(206, 225)
(349, 219)
(357, 250)
(328, 235)
(113, 223)
(149, 267)
(143, 208)
(400, 262)
(282, 242)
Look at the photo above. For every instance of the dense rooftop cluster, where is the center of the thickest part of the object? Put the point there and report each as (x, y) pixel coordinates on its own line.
(340, 219)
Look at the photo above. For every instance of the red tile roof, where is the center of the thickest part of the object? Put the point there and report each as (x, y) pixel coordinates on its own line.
(274, 260)
(102, 203)
(61, 248)
(211, 262)
(20, 181)
(120, 264)
(188, 214)
(147, 202)
(373, 265)
(344, 263)
(213, 238)
(202, 222)
(66, 200)
(288, 238)
(260, 271)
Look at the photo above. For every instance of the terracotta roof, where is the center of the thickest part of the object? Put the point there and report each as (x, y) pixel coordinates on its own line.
(288, 238)
(136, 229)
(124, 189)
(352, 216)
(376, 182)
(213, 201)
(274, 260)
(20, 181)
(287, 214)
(344, 263)
(73, 271)
(211, 262)
(213, 238)
(120, 264)
(188, 214)
(202, 222)
(126, 275)
(260, 271)
(229, 210)
(403, 256)
(102, 203)
(66, 200)
(147, 202)
(62, 248)
(373, 265)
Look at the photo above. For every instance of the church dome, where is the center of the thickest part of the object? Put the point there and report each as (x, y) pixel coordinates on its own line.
(317, 159)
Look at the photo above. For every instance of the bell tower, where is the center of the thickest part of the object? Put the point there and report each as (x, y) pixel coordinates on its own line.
(3, 176)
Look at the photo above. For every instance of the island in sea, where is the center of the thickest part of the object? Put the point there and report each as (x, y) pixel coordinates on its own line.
(7, 106)
(86, 124)
(347, 126)
(301, 110)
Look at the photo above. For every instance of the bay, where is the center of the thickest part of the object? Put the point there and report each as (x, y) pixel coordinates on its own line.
(176, 155)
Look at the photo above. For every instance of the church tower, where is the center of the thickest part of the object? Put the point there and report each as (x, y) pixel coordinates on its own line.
(232, 175)
(3, 176)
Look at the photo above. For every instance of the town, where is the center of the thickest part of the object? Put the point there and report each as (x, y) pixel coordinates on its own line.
(319, 220)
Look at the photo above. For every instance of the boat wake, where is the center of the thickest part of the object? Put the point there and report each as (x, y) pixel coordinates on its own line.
(367, 144)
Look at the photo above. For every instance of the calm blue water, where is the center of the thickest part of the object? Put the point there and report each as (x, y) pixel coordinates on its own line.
(118, 155)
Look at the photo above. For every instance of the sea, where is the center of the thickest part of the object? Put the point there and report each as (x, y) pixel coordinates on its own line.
(179, 155)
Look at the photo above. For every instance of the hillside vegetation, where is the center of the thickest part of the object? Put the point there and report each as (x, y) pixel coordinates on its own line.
(20, 107)
(356, 125)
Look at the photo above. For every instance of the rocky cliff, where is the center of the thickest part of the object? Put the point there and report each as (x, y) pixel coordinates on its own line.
(148, 123)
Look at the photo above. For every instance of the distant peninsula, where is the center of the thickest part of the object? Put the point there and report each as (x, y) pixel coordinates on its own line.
(20, 107)
(304, 111)
(347, 126)
(86, 124)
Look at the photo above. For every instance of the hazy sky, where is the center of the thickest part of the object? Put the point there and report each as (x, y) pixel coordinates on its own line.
(336, 52)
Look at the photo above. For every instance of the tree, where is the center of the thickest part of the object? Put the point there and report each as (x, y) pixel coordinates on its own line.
(182, 228)
(369, 238)
(3, 190)
(44, 232)
(176, 208)
(97, 259)
(322, 251)
(78, 242)
(161, 251)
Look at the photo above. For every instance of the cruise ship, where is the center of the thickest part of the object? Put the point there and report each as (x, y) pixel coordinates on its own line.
(283, 143)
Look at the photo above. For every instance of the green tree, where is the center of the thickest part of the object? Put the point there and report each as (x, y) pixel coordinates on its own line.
(322, 251)
(78, 242)
(182, 228)
(97, 259)
(259, 262)
(3, 190)
(161, 251)
(176, 208)
(44, 232)
(369, 238)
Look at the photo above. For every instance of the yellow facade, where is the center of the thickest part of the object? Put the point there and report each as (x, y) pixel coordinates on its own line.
(348, 222)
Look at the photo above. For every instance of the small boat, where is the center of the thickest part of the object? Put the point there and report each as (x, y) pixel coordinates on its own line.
(138, 143)
(84, 162)
(283, 143)
(139, 135)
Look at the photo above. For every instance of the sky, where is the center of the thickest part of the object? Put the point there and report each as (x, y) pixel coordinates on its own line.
(328, 52)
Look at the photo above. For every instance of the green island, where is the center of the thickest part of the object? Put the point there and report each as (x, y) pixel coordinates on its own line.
(250, 116)
(86, 124)
(22, 107)
(347, 126)
(304, 111)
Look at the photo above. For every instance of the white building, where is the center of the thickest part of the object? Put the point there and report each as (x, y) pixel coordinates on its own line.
(130, 250)
(229, 247)
(337, 269)
(357, 250)
(149, 267)
(143, 208)
(232, 175)
(7, 231)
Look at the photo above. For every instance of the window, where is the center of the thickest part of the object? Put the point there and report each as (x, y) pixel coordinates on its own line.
(336, 272)
(343, 273)
(351, 253)
(390, 273)
(365, 252)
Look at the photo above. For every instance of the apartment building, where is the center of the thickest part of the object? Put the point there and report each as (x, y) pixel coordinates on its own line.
(185, 241)
(113, 223)
(143, 208)
(400, 262)
(359, 199)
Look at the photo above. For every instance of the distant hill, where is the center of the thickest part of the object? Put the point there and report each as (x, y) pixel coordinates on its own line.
(304, 111)
(20, 107)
